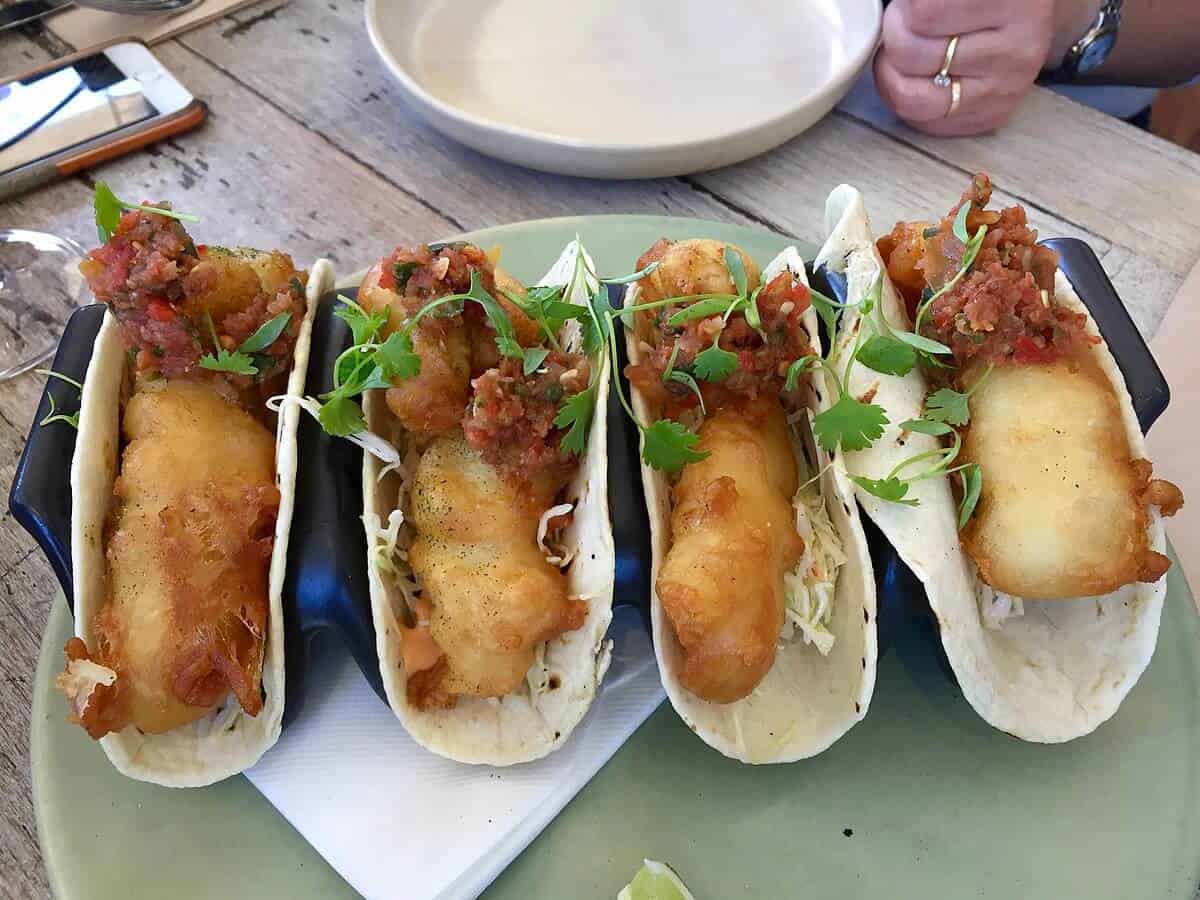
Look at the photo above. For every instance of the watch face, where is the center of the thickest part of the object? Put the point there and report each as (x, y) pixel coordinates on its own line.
(1096, 51)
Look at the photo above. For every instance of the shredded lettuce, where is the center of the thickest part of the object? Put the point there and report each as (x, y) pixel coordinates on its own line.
(812, 584)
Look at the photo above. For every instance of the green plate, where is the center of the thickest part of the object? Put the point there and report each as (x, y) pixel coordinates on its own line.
(920, 800)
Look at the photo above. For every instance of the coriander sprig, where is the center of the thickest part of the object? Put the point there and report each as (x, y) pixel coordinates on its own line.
(108, 209)
(666, 444)
(54, 415)
(241, 361)
(972, 245)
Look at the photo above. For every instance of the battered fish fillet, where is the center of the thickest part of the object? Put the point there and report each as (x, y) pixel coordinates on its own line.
(188, 550)
(686, 268)
(732, 539)
(433, 401)
(1063, 508)
(239, 275)
(494, 596)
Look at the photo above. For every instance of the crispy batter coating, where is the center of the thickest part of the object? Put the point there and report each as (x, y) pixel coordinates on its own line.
(732, 539)
(1063, 512)
(165, 290)
(494, 597)
(188, 550)
(433, 401)
(694, 266)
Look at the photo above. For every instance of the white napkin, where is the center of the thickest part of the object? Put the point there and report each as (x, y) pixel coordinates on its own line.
(395, 819)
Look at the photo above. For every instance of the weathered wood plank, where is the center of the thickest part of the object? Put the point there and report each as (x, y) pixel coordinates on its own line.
(20, 51)
(352, 101)
(341, 90)
(902, 183)
(1110, 178)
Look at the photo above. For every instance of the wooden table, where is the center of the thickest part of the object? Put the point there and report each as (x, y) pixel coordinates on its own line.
(309, 148)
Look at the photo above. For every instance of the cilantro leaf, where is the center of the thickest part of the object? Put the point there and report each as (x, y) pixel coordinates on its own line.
(506, 339)
(737, 270)
(850, 424)
(53, 415)
(235, 363)
(395, 357)
(402, 271)
(887, 355)
(948, 405)
(598, 325)
(828, 311)
(633, 276)
(268, 332)
(715, 364)
(363, 325)
(341, 416)
(375, 379)
(690, 383)
(108, 211)
(960, 222)
(576, 415)
(702, 309)
(534, 357)
(510, 346)
(108, 208)
(796, 369)
(753, 318)
(669, 446)
(922, 344)
(926, 426)
(891, 489)
(972, 485)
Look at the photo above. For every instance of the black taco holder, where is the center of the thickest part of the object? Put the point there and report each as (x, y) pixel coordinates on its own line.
(326, 589)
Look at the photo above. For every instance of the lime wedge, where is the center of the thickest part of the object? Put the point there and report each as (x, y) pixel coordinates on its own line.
(655, 881)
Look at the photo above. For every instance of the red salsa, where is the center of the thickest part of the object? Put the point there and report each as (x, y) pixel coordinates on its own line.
(511, 417)
(1003, 310)
(762, 358)
(163, 288)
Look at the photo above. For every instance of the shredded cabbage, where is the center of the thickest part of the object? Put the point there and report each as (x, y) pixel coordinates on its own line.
(554, 556)
(369, 441)
(811, 585)
(388, 544)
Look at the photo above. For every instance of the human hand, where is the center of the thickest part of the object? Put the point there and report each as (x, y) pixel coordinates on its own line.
(1004, 44)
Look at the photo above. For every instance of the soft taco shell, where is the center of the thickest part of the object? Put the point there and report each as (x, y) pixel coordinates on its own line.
(525, 725)
(227, 741)
(806, 701)
(1061, 669)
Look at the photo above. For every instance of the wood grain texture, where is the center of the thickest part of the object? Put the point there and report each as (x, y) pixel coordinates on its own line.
(310, 148)
(351, 101)
(1101, 174)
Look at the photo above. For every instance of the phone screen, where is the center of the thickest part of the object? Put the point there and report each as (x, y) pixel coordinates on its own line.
(66, 107)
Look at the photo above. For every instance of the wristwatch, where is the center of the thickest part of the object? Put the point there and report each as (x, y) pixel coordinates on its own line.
(1091, 50)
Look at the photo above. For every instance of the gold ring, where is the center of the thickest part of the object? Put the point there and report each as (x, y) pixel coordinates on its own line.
(955, 97)
(942, 78)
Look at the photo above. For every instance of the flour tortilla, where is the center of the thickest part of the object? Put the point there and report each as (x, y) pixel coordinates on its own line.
(1061, 669)
(806, 701)
(227, 741)
(524, 725)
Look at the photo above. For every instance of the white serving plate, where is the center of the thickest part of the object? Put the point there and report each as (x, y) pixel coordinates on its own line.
(623, 88)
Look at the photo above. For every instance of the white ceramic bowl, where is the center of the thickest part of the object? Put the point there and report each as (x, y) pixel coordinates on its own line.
(623, 88)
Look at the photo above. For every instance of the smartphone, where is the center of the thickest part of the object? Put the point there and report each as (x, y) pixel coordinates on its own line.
(84, 109)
